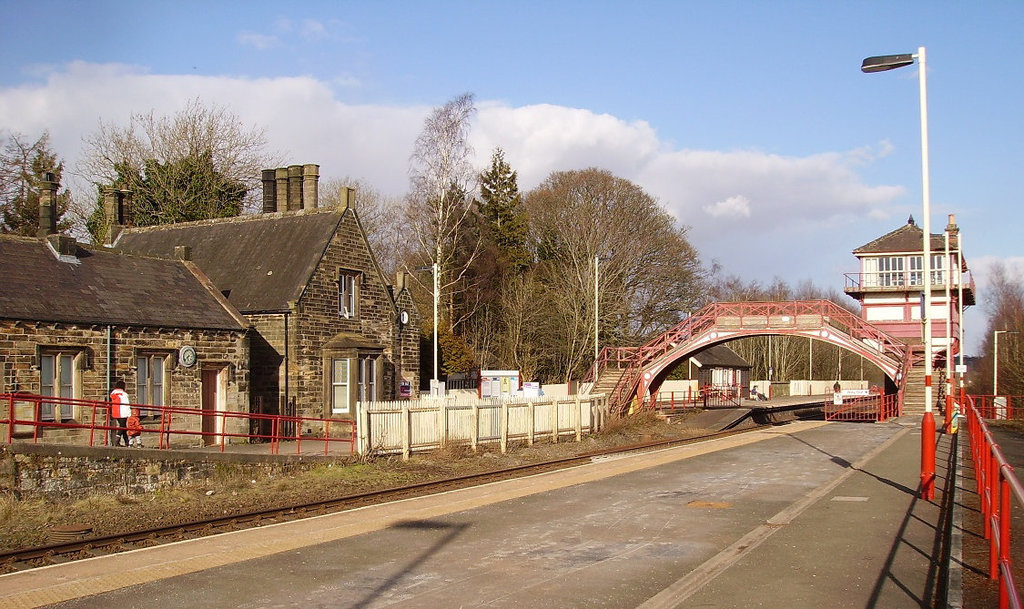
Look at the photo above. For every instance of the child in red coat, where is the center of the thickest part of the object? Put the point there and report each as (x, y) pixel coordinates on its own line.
(135, 429)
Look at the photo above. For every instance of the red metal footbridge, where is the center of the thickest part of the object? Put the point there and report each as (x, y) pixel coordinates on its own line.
(634, 373)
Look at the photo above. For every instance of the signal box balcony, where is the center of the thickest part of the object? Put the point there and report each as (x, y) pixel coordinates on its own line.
(859, 285)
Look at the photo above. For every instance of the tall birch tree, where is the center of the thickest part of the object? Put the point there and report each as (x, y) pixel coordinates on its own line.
(442, 180)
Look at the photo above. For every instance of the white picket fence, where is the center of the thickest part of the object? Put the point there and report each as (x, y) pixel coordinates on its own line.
(405, 426)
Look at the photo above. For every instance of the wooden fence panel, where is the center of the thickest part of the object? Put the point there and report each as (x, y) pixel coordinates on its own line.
(404, 426)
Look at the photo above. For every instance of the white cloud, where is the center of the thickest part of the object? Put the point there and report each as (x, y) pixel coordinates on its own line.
(733, 207)
(259, 41)
(714, 192)
(312, 30)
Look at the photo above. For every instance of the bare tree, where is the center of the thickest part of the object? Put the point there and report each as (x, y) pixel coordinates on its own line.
(788, 357)
(440, 203)
(381, 217)
(649, 275)
(175, 164)
(1005, 308)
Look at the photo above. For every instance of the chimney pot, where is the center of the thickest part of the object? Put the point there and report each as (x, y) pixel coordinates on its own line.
(281, 177)
(294, 187)
(182, 252)
(47, 206)
(310, 186)
(267, 176)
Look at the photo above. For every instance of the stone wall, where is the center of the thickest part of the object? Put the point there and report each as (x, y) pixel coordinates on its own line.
(36, 472)
(22, 343)
(317, 320)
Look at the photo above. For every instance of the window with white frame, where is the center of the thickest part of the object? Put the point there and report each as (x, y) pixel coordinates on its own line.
(367, 379)
(916, 270)
(150, 385)
(58, 378)
(938, 269)
(348, 299)
(890, 271)
(340, 398)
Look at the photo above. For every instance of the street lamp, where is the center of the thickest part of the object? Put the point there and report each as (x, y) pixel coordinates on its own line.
(995, 358)
(882, 63)
(947, 278)
(597, 317)
(434, 271)
(597, 311)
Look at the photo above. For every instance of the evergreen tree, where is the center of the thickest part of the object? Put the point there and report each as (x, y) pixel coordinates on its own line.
(23, 168)
(184, 190)
(501, 207)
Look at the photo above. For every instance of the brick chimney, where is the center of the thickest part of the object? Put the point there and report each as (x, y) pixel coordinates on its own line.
(114, 204)
(346, 198)
(269, 180)
(281, 177)
(401, 281)
(48, 206)
(291, 188)
(294, 187)
(310, 186)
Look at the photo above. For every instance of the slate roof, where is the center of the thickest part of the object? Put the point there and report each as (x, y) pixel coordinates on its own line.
(101, 287)
(720, 356)
(907, 238)
(262, 261)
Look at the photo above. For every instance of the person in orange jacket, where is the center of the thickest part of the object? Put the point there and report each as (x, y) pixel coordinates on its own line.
(135, 429)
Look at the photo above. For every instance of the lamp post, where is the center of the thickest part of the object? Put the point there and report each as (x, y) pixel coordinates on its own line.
(434, 271)
(995, 358)
(882, 63)
(960, 304)
(948, 277)
(597, 317)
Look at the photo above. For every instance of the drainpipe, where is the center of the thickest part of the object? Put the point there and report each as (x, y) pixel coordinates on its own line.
(110, 366)
(286, 394)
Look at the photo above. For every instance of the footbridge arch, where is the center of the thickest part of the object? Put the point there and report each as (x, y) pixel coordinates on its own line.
(637, 372)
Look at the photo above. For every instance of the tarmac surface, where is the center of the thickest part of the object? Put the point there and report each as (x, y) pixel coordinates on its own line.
(807, 514)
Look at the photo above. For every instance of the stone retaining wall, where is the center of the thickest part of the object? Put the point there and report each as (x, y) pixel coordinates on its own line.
(71, 472)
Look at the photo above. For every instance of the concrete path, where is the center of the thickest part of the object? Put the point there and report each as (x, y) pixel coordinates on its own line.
(809, 514)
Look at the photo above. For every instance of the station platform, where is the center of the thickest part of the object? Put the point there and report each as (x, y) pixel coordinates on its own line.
(806, 514)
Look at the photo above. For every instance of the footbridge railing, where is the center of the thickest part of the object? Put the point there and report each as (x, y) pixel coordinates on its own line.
(720, 321)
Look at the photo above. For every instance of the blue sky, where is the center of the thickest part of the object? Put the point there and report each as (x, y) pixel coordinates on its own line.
(750, 121)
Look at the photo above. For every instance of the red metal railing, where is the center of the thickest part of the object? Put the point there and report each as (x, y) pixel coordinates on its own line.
(877, 407)
(997, 486)
(162, 423)
(672, 402)
(999, 407)
(769, 316)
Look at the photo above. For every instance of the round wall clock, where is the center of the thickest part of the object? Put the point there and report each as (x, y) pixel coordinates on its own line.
(187, 356)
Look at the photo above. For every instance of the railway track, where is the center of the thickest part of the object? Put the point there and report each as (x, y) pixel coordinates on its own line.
(68, 551)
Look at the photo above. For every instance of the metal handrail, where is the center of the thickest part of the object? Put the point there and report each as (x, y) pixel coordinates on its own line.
(996, 482)
(775, 315)
(95, 416)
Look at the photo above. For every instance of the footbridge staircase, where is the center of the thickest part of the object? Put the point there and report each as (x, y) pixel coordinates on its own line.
(632, 375)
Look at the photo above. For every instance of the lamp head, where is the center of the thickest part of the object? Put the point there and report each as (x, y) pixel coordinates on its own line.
(881, 63)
